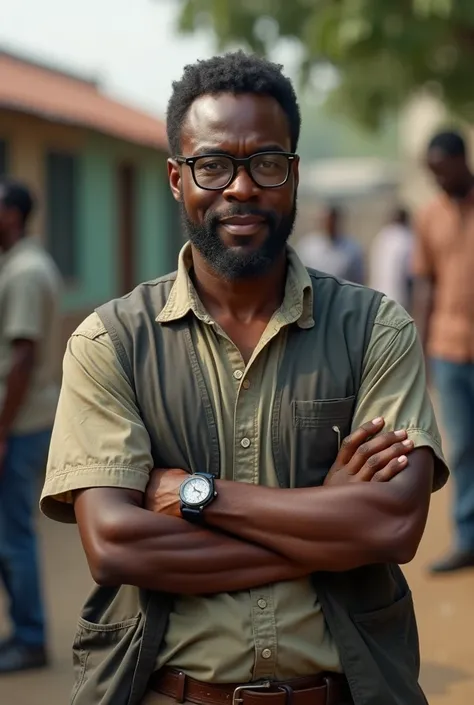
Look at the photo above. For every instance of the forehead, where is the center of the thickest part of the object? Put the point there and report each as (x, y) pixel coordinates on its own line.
(235, 123)
(438, 159)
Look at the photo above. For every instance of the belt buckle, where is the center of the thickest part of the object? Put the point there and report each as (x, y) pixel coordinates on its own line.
(237, 700)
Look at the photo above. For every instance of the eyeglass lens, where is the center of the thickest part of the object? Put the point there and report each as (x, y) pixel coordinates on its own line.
(216, 172)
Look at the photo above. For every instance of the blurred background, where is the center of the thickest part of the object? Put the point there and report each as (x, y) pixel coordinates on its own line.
(83, 94)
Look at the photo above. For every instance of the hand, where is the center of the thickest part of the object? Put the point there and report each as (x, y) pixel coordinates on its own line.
(365, 458)
(162, 492)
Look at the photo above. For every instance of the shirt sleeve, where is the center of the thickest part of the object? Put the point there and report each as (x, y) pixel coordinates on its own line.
(23, 316)
(99, 439)
(394, 384)
(422, 264)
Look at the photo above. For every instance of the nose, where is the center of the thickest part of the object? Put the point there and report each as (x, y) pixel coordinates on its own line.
(242, 188)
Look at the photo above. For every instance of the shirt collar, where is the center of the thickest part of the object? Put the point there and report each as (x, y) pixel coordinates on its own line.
(297, 306)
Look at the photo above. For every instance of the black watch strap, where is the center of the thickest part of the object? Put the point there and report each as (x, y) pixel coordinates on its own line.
(194, 516)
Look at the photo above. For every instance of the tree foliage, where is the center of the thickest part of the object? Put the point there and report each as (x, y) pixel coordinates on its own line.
(383, 50)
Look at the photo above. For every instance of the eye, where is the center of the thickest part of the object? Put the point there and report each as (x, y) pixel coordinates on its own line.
(269, 163)
(212, 165)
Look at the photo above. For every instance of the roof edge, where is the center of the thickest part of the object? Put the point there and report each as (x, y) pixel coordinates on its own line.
(58, 119)
(23, 58)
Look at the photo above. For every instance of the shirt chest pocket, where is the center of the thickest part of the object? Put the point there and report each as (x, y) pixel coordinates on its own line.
(319, 427)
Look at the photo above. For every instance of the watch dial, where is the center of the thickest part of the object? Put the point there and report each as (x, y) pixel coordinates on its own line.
(196, 491)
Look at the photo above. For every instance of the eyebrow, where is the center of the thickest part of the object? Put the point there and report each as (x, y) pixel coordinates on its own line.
(205, 149)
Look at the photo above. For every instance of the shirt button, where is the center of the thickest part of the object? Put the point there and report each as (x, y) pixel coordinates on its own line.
(266, 654)
(245, 442)
(246, 384)
(238, 374)
(262, 604)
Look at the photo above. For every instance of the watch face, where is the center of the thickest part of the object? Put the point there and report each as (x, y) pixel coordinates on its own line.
(196, 491)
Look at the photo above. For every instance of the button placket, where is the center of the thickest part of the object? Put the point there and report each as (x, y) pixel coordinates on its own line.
(264, 629)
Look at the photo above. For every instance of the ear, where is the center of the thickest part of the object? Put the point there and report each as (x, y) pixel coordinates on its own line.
(174, 176)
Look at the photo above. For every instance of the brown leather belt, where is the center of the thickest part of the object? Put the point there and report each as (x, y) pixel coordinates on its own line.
(323, 689)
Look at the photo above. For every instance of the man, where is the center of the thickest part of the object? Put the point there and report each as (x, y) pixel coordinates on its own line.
(256, 563)
(444, 295)
(332, 252)
(390, 259)
(29, 288)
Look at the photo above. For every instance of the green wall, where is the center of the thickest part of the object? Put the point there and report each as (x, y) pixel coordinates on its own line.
(98, 227)
(154, 255)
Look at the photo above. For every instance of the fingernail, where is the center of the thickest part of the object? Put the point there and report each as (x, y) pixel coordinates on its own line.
(408, 442)
(377, 421)
(401, 434)
(402, 459)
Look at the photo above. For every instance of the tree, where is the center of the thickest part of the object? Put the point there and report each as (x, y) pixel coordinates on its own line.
(384, 50)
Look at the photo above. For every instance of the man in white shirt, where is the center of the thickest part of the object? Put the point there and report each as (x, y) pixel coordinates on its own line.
(330, 251)
(390, 259)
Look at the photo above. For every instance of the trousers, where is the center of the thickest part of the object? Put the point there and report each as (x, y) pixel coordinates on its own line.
(19, 566)
(454, 384)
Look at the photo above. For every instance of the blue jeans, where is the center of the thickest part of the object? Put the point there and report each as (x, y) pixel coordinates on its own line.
(19, 485)
(454, 384)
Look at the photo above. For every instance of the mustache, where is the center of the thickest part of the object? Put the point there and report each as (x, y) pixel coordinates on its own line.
(214, 218)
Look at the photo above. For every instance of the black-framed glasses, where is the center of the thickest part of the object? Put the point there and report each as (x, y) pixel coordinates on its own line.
(214, 172)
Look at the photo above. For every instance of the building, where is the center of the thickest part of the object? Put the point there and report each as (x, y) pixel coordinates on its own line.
(98, 168)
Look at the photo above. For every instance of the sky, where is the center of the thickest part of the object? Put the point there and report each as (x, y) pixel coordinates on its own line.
(130, 45)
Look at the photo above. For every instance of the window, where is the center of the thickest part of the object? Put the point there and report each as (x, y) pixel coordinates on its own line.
(62, 211)
(3, 158)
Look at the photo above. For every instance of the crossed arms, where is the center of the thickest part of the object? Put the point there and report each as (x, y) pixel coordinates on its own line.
(370, 511)
(372, 507)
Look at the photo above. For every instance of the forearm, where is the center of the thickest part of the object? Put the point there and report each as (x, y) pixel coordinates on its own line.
(156, 552)
(17, 385)
(422, 307)
(331, 528)
(320, 528)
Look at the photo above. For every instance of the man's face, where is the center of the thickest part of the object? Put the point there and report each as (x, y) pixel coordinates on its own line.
(449, 172)
(241, 229)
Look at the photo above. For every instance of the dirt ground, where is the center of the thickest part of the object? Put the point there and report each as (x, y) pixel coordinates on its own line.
(445, 610)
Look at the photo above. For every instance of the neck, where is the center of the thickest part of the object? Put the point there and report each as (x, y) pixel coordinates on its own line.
(244, 298)
(10, 240)
(467, 187)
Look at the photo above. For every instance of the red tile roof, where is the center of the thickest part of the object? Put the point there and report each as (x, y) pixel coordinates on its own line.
(29, 87)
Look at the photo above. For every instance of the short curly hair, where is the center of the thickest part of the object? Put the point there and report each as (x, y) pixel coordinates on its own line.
(14, 194)
(450, 142)
(237, 73)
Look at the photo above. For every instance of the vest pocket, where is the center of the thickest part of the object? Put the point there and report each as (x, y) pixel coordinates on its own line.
(392, 613)
(98, 656)
(319, 427)
(391, 631)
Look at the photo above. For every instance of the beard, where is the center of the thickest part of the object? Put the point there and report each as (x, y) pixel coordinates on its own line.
(233, 263)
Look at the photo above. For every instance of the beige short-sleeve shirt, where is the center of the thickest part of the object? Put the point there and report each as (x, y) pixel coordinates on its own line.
(277, 631)
(29, 310)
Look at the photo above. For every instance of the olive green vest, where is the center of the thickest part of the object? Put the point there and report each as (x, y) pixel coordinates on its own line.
(369, 610)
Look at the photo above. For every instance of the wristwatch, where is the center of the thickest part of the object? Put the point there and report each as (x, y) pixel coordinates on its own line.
(196, 493)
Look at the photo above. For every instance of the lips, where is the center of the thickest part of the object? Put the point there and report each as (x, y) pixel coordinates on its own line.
(243, 224)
